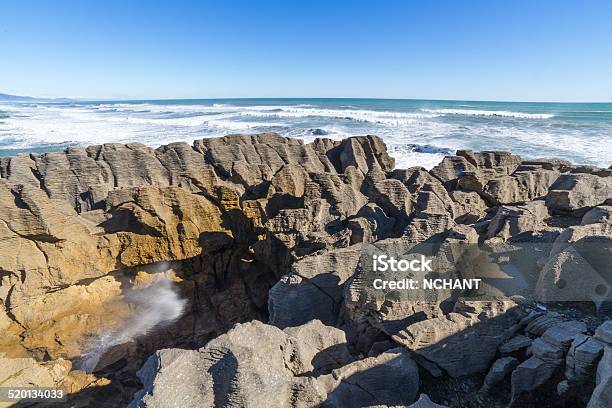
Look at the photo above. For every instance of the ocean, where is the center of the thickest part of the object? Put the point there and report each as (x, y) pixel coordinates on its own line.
(417, 132)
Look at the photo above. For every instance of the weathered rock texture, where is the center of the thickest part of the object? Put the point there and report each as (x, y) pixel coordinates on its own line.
(267, 228)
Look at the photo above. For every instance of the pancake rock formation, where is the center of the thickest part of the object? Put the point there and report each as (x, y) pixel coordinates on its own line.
(231, 273)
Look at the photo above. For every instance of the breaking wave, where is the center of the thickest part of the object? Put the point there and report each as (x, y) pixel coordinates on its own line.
(579, 133)
(500, 113)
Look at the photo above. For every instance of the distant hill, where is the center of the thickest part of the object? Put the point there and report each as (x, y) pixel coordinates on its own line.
(7, 97)
(17, 98)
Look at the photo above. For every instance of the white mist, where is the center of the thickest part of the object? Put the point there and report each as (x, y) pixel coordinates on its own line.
(157, 305)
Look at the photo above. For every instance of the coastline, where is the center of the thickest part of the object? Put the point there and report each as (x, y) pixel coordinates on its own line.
(265, 228)
(417, 132)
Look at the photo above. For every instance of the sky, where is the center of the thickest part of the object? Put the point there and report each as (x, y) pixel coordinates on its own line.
(467, 50)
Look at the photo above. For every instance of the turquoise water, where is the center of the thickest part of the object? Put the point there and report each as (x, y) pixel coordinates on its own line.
(418, 132)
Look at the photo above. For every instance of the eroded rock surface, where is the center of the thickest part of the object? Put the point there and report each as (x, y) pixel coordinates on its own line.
(266, 228)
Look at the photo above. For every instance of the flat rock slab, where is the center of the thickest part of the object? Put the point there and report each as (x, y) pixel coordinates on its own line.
(546, 351)
(563, 334)
(516, 343)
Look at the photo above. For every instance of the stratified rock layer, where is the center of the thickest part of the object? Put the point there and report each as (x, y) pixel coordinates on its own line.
(267, 228)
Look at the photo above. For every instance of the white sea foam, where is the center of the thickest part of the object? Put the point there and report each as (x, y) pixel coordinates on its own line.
(236, 125)
(379, 117)
(502, 113)
(527, 134)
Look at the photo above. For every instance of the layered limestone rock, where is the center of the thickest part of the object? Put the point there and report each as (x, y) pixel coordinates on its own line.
(259, 365)
(602, 395)
(573, 192)
(269, 228)
(463, 342)
(58, 374)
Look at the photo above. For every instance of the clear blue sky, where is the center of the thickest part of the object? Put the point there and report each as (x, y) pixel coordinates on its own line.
(483, 50)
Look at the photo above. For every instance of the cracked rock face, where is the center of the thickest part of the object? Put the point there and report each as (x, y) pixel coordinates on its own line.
(263, 228)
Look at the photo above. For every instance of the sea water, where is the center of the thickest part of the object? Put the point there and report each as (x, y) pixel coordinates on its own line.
(417, 132)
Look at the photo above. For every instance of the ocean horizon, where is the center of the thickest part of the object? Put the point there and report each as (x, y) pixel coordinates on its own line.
(418, 132)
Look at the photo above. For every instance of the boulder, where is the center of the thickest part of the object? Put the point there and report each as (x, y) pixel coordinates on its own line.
(390, 379)
(254, 363)
(582, 358)
(324, 347)
(562, 335)
(573, 192)
(515, 344)
(468, 206)
(364, 153)
(450, 169)
(604, 332)
(462, 343)
(313, 288)
(602, 395)
(599, 214)
(529, 376)
(510, 221)
(567, 276)
(498, 371)
(520, 187)
(546, 351)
